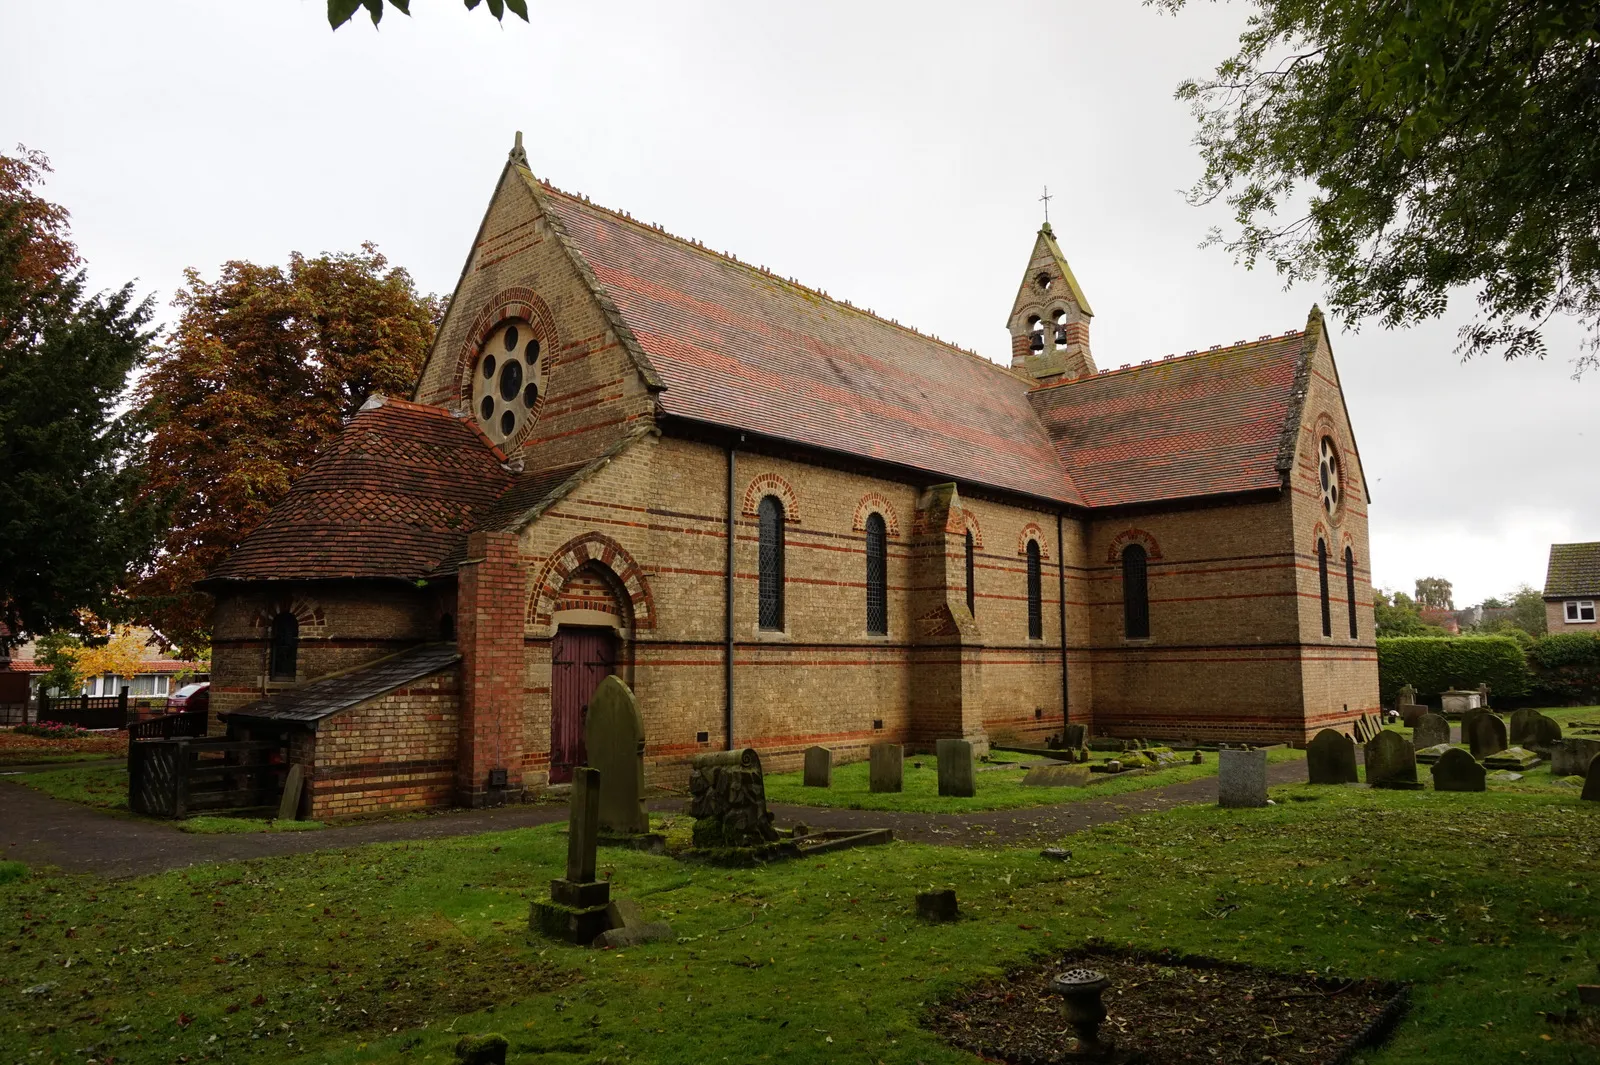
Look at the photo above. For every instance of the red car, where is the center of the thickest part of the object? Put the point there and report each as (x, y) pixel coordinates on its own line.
(190, 697)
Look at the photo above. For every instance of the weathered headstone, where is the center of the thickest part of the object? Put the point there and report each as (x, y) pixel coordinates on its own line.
(1543, 734)
(1391, 762)
(1513, 758)
(293, 785)
(1241, 778)
(1519, 725)
(1484, 733)
(1591, 780)
(487, 1049)
(1331, 758)
(1571, 757)
(819, 768)
(1483, 694)
(937, 905)
(1073, 735)
(1456, 770)
(958, 773)
(886, 768)
(1411, 713)
(614, 738)
(1056, 776)
(1430, 729)
(1430, 755)
(728, 799)
(1408, 695)
(578, 902)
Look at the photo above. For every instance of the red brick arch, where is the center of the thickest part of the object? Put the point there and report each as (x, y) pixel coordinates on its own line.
(1031, 531)
(968, 522)
(873, 503)
(770, 484)
(1152, 550)
(585, 553)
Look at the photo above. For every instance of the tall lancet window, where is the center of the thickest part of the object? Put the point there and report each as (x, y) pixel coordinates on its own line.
(769, 517)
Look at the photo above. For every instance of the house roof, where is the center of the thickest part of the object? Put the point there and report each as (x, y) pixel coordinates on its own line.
(1574, 570)
(317, 699)
(739, 347)
(396, 493)
(1210, 423)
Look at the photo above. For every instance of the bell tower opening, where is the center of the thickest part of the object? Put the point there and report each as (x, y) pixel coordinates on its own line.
(1049, 321)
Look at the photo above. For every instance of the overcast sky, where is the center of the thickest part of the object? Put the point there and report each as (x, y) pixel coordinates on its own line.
(892, 154)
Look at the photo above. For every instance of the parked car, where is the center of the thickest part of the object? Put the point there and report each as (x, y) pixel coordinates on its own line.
(189, 697)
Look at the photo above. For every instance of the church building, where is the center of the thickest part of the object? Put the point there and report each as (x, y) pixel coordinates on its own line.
(785, 520)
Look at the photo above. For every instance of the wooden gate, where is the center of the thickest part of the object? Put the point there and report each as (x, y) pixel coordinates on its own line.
(579, 660)
(179, 777)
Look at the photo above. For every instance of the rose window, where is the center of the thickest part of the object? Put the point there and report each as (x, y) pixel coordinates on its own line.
(1328, 469)
(508, 381)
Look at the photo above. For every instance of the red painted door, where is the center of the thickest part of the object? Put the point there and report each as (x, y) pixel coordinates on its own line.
(579, 660)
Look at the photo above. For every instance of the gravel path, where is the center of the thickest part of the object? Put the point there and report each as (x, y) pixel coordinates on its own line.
(40, 830)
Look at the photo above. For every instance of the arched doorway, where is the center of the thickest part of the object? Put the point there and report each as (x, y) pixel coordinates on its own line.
(580, 658)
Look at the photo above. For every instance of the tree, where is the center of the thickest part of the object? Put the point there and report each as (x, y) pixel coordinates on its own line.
(264, 365)
(1434, 593)
(58, 652)
(341, 11)
(1527, 612)
(1395, 614)
(72, 521)
(1399, 151)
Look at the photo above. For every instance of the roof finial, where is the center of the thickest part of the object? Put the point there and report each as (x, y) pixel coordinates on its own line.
(518, 155)
(1045, 199)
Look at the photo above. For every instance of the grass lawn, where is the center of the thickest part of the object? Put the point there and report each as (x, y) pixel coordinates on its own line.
(19, 749)
(103, 786)
(388, 953)
(998, 789)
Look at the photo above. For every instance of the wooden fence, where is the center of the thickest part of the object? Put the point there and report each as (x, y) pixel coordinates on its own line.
(186, 724)
(85, 711)
(179, 777)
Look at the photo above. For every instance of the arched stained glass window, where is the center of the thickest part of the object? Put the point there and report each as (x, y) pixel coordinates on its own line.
(877, 575)
(1135, 593)
(770, 519)
(1035, 593)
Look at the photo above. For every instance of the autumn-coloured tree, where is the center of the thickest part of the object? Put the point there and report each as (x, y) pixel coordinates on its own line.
(73, 519)
(264, 365)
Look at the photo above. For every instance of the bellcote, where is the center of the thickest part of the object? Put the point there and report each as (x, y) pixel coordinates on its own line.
(1049, 321)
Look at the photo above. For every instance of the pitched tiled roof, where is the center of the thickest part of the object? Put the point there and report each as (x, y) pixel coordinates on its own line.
(397, 493)
(1205, 424)
(1574, 570)
(317, 699)
(738, 347)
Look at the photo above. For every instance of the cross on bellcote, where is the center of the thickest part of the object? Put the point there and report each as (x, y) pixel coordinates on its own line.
(1045, 199)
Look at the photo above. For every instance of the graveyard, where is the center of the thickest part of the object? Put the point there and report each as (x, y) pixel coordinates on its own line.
(1468, 917)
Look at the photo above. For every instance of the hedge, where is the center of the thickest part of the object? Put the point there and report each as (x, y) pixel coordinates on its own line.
(1566, 667)
(1432, 665)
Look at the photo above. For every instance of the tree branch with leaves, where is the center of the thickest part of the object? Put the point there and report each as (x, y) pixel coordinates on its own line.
(341, 11)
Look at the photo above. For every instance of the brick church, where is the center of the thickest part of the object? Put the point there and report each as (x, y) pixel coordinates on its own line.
(785, 520)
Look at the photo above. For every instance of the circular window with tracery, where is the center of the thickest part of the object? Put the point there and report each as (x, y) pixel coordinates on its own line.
(1332, 477)
(508, 380)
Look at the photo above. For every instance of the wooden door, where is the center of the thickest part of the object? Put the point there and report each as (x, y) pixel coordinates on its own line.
(579, 660)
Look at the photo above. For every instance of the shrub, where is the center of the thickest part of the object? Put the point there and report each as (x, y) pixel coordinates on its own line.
(1566, 667)
(1432, 665)
(53, 730)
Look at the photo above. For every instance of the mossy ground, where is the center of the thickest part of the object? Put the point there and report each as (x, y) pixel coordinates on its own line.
(390, 953)
(998, 789)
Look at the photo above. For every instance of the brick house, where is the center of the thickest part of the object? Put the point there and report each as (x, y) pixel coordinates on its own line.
(787, 520)
(1572, 588)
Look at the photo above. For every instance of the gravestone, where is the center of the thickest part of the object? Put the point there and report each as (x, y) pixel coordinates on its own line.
(1543, 734)
(1455, 702)
(1408, 695)
(1591, 780)
(937, 905)
(1391, 762)
(1430, 755)
(614, 738)
(1411, 713)
(1056, 776)
(1519, 725)
(728, 800)
(1331, 758)
(1571, 757)
(1430, 729)
(1483, 695)
(1513, 758)
(1241, 779)
(577, 910)
(958, 774)
(819, 767)
(1072, 736)
(886, 768)
(289, 802)
(1484, 733)
(1456, 770)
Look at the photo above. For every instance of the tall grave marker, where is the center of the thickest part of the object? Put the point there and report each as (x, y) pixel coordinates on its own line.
(614, 735)
(1331, 758)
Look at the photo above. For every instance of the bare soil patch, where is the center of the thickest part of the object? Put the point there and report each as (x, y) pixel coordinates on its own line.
(1170, 1009)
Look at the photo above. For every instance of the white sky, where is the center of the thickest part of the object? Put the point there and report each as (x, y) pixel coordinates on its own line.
(891, 153)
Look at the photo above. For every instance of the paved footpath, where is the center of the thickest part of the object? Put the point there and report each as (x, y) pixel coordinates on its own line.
(40, 830)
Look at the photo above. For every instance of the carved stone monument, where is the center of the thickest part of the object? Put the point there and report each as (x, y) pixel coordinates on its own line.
(1484, 733)
(1429, 731)
(1456, 770)
(886, 768)
(614, 737)
(1391, 762)
(1241, 778)
(958, 774)
(576, 910)
(1331, 758)
(728, 799)
(819, 768)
